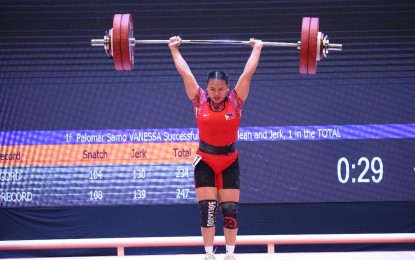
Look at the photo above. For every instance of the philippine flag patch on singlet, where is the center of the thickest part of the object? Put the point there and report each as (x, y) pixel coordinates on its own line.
(229, 116)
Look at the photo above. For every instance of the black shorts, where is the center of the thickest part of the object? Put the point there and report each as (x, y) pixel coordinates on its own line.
(205, 177)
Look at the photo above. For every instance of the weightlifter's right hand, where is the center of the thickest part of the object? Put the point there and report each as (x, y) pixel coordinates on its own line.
(175, 42)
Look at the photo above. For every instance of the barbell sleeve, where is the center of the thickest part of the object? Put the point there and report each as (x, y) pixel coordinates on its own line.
(97, 42)
(334, 47)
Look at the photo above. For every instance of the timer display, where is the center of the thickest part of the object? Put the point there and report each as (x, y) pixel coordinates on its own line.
(367, 171)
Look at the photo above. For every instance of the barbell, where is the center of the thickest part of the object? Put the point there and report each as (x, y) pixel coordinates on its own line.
(119, 43)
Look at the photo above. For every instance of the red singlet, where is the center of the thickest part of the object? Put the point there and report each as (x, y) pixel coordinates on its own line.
(218, 128)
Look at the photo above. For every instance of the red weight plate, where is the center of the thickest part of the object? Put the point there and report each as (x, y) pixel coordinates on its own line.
(305, 32)
(312, 46)
(116, 41)
(127, 51)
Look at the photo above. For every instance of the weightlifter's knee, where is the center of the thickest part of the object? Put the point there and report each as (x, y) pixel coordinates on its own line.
(208, 210)
(229, 211)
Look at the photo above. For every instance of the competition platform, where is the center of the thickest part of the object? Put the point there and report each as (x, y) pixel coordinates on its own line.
(398, 255)
(270, 241)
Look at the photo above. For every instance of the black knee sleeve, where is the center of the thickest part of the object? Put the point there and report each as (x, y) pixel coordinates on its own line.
(208, 209)
(229, 211)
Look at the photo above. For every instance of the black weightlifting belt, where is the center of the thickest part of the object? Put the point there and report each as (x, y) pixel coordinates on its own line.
(208, 148)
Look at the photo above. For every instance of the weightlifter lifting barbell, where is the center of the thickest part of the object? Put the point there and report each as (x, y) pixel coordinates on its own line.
(119, 43)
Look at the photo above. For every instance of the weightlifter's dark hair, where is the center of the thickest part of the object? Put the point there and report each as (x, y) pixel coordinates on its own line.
(217, 74)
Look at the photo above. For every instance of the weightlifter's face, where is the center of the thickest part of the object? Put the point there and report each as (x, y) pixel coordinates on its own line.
(217, 90)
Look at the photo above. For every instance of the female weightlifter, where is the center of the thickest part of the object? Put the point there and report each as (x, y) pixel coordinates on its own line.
(216, 172)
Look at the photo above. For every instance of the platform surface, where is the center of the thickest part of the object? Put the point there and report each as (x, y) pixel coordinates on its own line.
(395, 255)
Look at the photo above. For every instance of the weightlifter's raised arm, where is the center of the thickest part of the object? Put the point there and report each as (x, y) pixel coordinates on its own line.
(243, 85)
(189, 80)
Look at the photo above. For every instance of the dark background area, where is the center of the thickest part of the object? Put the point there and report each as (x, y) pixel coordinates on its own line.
(52, 79)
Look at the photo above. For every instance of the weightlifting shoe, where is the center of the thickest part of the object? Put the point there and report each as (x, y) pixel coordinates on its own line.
(210, 256)
(229, 256)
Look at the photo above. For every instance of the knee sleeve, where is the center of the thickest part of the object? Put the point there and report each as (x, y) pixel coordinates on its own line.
(208, 209)
(229, 211)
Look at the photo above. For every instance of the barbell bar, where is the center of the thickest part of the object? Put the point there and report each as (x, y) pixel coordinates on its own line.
(119, 43)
